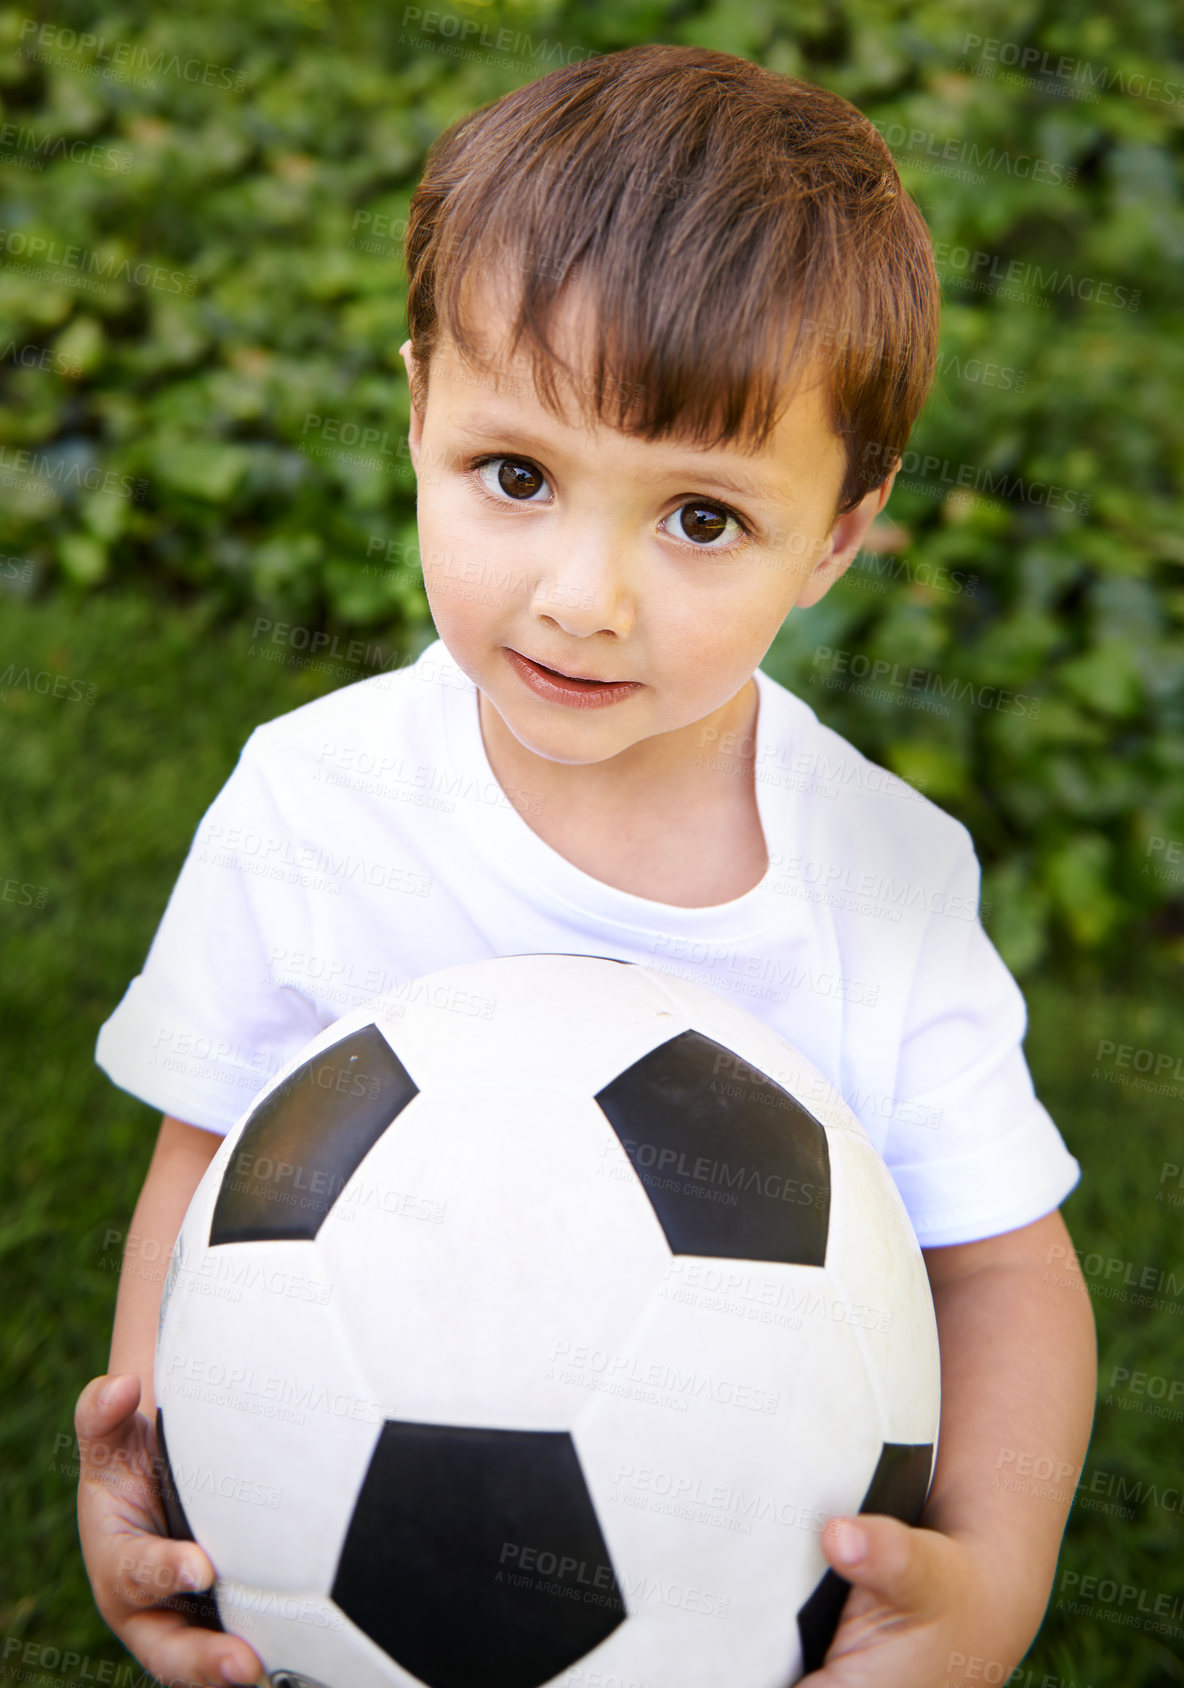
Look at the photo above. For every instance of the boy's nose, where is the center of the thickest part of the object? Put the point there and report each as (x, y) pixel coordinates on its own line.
(588, 590)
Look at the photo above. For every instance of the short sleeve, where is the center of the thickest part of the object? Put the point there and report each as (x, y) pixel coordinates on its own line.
(973, 1151)
(202, 1028)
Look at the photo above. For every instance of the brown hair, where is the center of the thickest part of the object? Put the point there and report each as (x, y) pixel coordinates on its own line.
(714, 208)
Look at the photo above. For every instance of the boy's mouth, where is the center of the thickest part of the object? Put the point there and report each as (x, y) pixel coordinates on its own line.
(562, 674)
(554, 682)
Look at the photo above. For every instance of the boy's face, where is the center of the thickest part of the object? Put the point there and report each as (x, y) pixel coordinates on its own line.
(610, 558)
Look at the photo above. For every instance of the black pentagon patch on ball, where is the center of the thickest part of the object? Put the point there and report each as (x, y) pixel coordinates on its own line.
(899, 1487)
(201, 1607)
(306, 1139)
(733, 1165)
(174, 1512)
(475, 1555)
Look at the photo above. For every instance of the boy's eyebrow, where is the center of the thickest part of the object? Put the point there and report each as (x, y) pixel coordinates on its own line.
(481, 427)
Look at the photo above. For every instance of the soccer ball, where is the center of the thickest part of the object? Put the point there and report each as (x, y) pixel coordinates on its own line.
(527, 1329)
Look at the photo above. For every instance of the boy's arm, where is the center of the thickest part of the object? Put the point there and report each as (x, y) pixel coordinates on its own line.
(1018, 1369)
(182, 1154)
(1019, 1379)
(135, 1568)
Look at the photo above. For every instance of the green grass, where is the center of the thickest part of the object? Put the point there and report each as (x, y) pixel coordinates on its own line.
(99, 803)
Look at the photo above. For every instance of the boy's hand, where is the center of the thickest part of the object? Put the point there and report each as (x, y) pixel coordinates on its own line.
(917, 1605)
(131, 1560)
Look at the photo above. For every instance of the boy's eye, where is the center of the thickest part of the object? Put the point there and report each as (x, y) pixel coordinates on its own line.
(706, 521)
(519, 480)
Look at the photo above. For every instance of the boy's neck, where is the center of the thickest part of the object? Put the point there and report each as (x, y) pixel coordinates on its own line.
(670, 819)
(650, 774)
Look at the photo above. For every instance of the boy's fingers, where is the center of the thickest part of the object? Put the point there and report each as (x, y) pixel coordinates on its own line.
(902, 1566)
(147, 1570)
(176, 1652)
(109, 1450)
(104, 1409)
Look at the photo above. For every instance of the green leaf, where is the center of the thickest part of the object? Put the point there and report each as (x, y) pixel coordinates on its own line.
(1107, 678)
(1076, 877)
(83, 558)
(206, 469)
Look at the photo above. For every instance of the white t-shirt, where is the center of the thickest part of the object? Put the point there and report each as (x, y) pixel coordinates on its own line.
(363, 840)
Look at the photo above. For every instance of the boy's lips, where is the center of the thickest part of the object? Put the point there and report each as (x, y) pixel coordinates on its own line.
(557, 686)
(566, 674)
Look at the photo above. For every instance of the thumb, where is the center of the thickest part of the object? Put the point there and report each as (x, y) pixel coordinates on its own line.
(901, 1566)
(103, 1418)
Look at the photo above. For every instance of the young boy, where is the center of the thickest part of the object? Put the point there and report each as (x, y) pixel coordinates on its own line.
(589, 759)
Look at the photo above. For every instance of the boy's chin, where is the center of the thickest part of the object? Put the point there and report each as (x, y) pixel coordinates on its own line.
(580, 743)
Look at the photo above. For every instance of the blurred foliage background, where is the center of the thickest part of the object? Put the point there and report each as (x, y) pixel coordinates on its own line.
(202, 429)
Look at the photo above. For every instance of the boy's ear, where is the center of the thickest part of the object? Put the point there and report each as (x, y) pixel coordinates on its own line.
(415, 428)
(843, 545)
